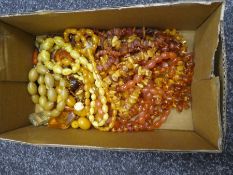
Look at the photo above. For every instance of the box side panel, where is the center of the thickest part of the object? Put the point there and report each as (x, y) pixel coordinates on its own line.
(179, 16)
(15, 105)
(159, 139)
(16, 49)
(205, 107)
(206, 42)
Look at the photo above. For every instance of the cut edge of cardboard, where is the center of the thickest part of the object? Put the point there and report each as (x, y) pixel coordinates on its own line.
(224, 85)
(41, 12)
(161, 141)
(107, 149)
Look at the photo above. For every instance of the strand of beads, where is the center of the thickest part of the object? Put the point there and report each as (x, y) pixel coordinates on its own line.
(45, 94)
(87, 48)
(158, 51)
(44, 56)
(101, 91)
(88, 83)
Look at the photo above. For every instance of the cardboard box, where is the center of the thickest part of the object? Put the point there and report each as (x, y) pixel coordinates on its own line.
(197, 129)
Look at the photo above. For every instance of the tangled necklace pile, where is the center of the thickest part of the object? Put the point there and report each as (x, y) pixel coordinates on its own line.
(123, 79)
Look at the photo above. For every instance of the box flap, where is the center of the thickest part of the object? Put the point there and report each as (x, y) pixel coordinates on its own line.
(206, 42)
(16, 49)
(182, 16)
(205, 107)
(15, 105)
(164, 140)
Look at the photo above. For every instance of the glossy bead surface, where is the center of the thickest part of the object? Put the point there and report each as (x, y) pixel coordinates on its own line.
(84, 123)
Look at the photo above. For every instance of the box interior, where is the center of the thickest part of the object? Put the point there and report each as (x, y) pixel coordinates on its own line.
(195, 129)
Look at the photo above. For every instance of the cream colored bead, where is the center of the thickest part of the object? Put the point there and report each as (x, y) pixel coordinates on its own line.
(68, 47)
(35, 99)
(55, 113)
(48, 106)
(45, 56)
(75, 67)
(79, 92)
(49, 80)
(61, 106)
(59, 41)
(32, 88)
(95, 75)
(83, 61)
(92, 103)
(105, 117)
(105, 108)
(57, 69)
(64, 94)
(47, 44)
(77, 61)
(41, 79)
(42, 101)
(49, 65)
(101, 123)
(39, 58)
(41, 69)
(33, 75)
(91, 118)
(52, 95)
(74, 54)
(92, 110)
(59, 98)
(78, 106)
(92, 90)
(37, 44)
(40, 38)
(63, 83)
(95, 124)
(57, 77)
(66, 71)
(42, 90)
(98, 83)
(55, 48)
(90, 67)
(58, 89)
(78, 77)
(101, 91)
(49, 40)
(103, 100)
(93, 96)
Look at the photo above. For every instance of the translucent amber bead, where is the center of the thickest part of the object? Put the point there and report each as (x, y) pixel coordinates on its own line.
(70, 101)
(62, 121)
